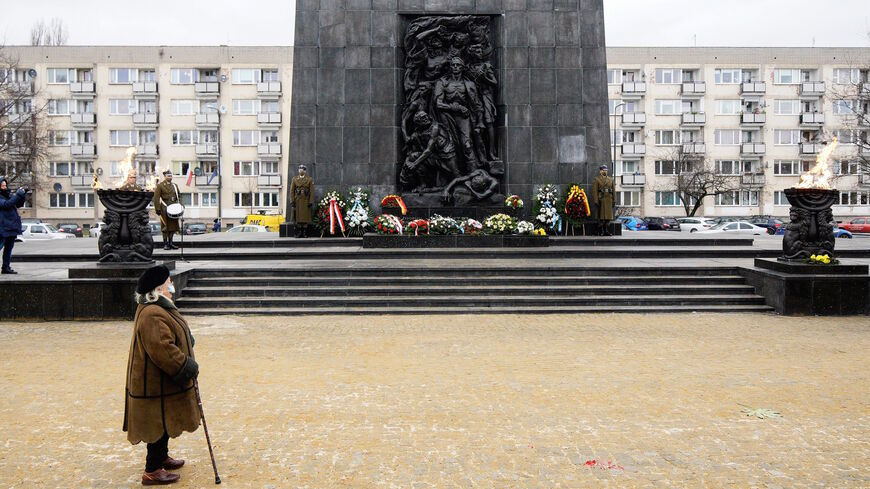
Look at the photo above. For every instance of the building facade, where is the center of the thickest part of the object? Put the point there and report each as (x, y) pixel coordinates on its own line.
(759, 115)
(218, 117)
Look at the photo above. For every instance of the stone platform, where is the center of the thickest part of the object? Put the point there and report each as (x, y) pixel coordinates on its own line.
(454, 241)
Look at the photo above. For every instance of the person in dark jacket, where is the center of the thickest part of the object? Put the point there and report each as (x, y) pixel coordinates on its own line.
(10, 221)
(160, 402)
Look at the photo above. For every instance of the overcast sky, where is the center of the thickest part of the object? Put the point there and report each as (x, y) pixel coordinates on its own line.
(270, 22)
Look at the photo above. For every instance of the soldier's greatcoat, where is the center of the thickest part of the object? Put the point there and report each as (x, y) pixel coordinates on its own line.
(602, 195)
(166, 193)
(302, 193)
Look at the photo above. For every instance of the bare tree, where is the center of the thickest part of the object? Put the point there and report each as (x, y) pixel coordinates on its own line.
(696, 178)
(852, 101)
(24, 136)
(54, 33)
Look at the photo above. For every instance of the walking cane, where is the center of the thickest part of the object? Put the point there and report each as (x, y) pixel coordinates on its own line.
(217, 478)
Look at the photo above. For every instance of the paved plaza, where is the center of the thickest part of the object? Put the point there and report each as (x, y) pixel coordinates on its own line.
(459, 401)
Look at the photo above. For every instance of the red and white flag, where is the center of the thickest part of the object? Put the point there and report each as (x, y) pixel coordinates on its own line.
(189, 176)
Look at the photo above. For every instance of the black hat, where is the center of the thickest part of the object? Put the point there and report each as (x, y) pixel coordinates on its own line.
(167, 172)
(152, 278)
(602, 167)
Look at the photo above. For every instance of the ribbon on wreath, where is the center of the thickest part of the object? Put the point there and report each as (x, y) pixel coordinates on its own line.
(335, 212)
(397, 223)
(557, 219)
(416, 225)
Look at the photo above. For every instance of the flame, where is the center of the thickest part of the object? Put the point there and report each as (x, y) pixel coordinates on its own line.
(125, 165)
(819, 175)
(150, 183)
(96, 185)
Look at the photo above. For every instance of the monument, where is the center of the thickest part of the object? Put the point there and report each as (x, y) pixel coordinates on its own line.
(449, 102)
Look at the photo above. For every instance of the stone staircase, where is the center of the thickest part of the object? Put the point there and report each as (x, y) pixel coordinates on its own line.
(530, 289)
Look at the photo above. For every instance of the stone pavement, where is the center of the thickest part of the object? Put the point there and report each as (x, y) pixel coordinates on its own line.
(463, 401)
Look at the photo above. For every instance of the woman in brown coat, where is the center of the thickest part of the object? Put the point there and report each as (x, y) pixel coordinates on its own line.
(160, 400)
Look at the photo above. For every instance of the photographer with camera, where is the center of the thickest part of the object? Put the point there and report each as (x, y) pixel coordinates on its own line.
(10, 221)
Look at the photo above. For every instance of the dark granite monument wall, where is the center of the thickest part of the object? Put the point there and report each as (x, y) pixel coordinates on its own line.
(347, 89)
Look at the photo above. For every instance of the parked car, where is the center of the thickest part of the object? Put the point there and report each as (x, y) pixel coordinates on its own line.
(857, 225)
(768, 222)
(631, 223)
(95, 230)
(42, 231)
(736, 228)
(248, 228)
(695, 224)
(194, 228)
(840, 232)
(30, 220)
(71, 228)
(155, 227)
(662, 224)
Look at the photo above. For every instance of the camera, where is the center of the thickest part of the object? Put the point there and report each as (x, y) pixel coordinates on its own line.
(27, 190)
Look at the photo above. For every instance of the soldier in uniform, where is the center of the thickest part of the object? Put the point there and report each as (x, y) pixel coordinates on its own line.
(166, 193)
(602, 193)
(302, 198)
(130, 183)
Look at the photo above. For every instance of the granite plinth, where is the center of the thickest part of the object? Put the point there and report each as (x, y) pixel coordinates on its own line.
(802, 290)
(115, 270)
(288, 230)
(454, 241)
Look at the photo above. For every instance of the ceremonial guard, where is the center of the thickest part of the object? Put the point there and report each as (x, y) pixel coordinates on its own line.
(130, 183)
(602, 193)
(302, 198)
(165, 194)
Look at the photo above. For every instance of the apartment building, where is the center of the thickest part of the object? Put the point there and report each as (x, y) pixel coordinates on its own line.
(217, 116)
(760, 115)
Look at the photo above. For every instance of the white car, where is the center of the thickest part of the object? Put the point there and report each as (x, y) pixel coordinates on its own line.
(736, 228)
(695, 224)
(42, 231)
(94, 231)
(248, 228)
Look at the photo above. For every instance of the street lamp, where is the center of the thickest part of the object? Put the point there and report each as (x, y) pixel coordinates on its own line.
(613, 160)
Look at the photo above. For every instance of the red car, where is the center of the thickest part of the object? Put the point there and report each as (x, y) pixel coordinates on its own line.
(857, 225)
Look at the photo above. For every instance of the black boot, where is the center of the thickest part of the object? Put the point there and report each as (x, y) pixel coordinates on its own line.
(606, 227)
(305, 230)
(166, 242)
(171, 243)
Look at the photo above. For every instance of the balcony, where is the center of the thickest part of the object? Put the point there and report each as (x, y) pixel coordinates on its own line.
(812, 119)
(695, 148)
(81, 181)
(208, 120)
(147, 151)
(19, 88)
(269, 150)
(83, 151)
(864, 179)
(269, 180)
(209, 180)
(812, 89)
(269, 90)
(145, 90)
(269, 119)
(206, 149)
(694, 89)
(696, 119)
(207, 89)
(633, 150)
(810, 148)
(86, 120)
(753, 179)
(635, 180)
(145, 120)
(634, 119)
(753, 149)
(82, 90)
(19, 120)
(753, 119)
(633, 89)
(753, 88)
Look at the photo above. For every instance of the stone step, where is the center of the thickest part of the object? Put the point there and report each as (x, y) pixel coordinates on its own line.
(525, 310)
(470, 272)
(505, 291)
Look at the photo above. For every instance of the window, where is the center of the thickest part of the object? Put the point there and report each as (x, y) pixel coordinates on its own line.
(183, 138)
(246, 168)
(83, 168)
(779, 198)
(84, 107)
(729, 167)
(60, 138)
(271, 107)
(269, 75)
(61, 76)
(269, 137)
(727, 137)
(268, 168)
(84, 137)
(668, 138)
(65, 200)
(667, 199)
(666, 167)
(246, 107)
(243, 200)
(59, 107)
(148, 137)
(785, 167)
(182, 76)
(208, 107)
(183, 107)
(208, 199)
(853, 198)
(180, 168)
(205, 137)
(728, 107)
(256, 199)
(147, 75)
(626, 167)
(147, 107)
(844, 136)
(122, 76)
(614, 77)
(245, 76)
(122, 106)
(122, 138)
(628, 198)
(727, 76)
(669, 107)
(742, 198)
(786, 107)
(85, 199)
(786, 137)
(668, 76)
(846, 76)
(245, 138)
(786, 77)
(61, 168)
(847, 167)
(844, 106)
